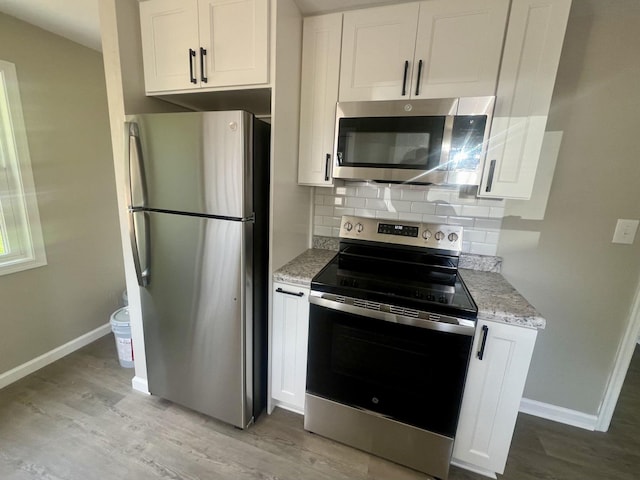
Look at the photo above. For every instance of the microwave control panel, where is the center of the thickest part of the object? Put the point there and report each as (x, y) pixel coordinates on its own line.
(432, 235)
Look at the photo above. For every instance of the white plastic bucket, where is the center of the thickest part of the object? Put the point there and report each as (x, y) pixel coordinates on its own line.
(121, 328)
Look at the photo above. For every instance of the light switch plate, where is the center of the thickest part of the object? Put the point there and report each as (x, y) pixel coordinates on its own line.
(625, 231)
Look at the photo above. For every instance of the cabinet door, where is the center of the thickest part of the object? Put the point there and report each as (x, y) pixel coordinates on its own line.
(377, 44)
(169, 30)
(235, 36)
(492, 395)
(321, 42)
(525, 86)
(290, 330)
(460, 45)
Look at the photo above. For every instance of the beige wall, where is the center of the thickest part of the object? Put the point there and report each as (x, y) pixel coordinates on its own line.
(566, 264)
(64, 100)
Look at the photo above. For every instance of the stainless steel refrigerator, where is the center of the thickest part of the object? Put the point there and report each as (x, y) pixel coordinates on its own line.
(198, 186)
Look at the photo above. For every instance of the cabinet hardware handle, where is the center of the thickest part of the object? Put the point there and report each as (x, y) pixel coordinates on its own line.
(404, 78)
(418, 80)
(485, 334)
(326, 167)
(203, 53)
(298, 294)
(192, 77)
(492, 169)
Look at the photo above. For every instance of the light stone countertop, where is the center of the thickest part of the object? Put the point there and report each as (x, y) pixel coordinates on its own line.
(499, 301)
(304, 267)
(496, 298)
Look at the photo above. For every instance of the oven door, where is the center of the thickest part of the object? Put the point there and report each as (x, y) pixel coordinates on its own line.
(407, 373)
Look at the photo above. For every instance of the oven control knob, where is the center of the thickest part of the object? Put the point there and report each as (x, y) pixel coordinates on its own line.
(453, 237)
(439, 235)
(359, 227)
(348, 226)
(426, 234)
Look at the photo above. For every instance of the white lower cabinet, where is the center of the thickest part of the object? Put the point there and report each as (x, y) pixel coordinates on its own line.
(493, 390)
(290, 330)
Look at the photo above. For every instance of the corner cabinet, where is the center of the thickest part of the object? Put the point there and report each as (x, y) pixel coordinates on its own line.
(431, 49)
(192, 45)
(321, 42)
(290, 330)
(496, 377)
(527, 76)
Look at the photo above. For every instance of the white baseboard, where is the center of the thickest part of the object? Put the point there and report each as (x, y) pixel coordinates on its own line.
(473, 468)
(140, 384)
(51, 356)
(559, 414)
(284, 405)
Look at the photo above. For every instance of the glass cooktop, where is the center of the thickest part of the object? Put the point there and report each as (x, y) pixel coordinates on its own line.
(409, 279)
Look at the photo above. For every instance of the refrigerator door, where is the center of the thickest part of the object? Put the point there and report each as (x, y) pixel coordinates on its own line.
(195, 313)
(195, 162)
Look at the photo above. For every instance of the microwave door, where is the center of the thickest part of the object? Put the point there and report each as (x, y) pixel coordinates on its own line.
(394, 149)
(435, 141)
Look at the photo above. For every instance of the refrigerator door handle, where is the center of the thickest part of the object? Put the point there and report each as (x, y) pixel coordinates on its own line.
(135, 149)
(142, 270)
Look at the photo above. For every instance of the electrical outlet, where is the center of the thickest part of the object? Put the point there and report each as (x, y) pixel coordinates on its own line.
(625, 231)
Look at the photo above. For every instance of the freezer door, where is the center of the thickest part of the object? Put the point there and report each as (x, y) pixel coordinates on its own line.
(196, 315)
(197, 162)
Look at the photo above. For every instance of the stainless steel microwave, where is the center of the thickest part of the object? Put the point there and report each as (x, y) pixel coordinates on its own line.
(437, 141)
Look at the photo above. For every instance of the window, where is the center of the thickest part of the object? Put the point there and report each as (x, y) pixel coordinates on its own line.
(21, 245)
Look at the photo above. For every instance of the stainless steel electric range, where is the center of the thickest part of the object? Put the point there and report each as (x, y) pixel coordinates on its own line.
(390, 331)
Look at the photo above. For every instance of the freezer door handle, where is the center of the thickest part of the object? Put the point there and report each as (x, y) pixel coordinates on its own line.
(135, 160)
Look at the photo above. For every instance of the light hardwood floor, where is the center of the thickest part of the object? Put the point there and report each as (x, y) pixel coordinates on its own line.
(79, 419)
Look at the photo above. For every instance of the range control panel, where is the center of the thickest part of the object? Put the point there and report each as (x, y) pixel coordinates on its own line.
(432, 235)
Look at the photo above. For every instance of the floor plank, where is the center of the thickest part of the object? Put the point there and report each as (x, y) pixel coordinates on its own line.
(79, 419)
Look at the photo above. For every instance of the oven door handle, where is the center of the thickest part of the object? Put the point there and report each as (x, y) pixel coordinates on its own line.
(463, 327)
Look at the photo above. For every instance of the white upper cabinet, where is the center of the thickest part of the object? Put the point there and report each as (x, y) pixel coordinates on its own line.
(377, 52)
(527, 76)
(204, 44)
(321, 42)
(460, 45)
(235, 35)
(169, 41)
(431, 49)
(493, 390)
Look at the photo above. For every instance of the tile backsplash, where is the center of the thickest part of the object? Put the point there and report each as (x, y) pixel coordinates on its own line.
(481, 218)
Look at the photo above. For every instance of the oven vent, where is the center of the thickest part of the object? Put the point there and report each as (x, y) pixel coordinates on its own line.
(406, 312)
(339, 299)
(366, 304)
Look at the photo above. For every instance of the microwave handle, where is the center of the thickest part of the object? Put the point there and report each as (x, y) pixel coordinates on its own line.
(326, 167)
(404, 78)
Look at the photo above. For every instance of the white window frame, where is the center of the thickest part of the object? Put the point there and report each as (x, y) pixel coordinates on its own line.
(19, 216)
